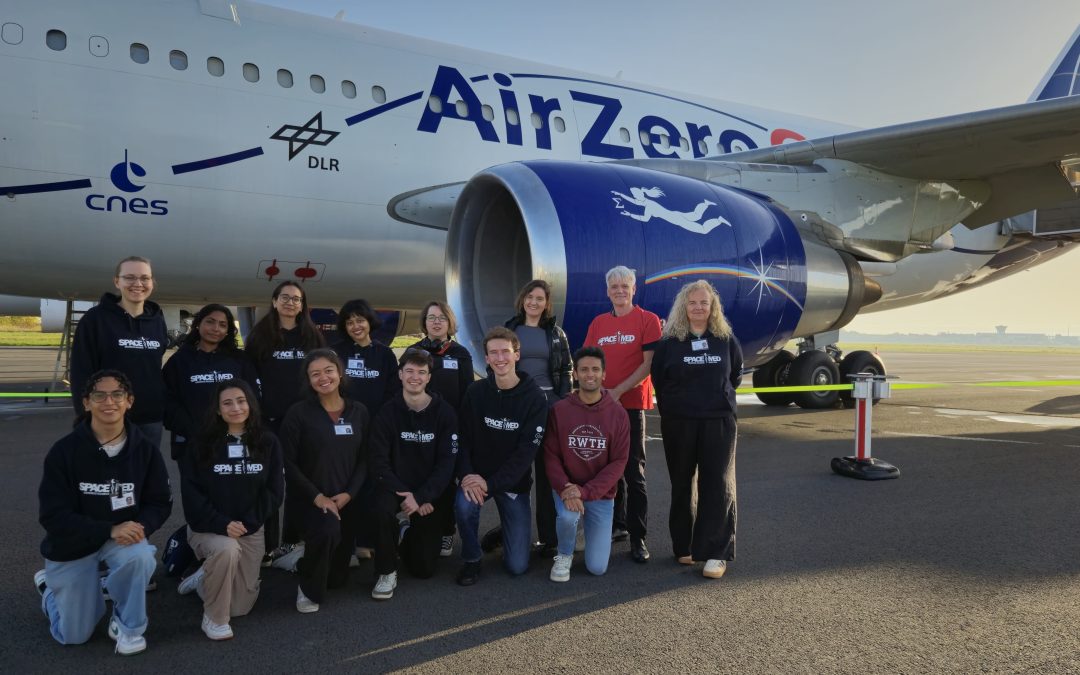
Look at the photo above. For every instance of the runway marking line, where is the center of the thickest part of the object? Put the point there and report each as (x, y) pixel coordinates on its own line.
(959, 438)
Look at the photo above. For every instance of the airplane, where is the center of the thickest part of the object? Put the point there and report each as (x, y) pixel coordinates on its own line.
(238, 145)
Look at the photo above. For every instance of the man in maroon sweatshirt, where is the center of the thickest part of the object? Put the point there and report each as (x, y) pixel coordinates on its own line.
(585, 451)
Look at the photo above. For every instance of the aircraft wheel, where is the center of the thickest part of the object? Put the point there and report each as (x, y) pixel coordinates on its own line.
(774, 374)
(814, 368)
(858, 362)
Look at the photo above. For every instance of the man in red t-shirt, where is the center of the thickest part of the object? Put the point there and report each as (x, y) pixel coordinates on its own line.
(627, 334)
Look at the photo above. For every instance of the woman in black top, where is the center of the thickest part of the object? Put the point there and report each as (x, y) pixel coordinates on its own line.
(209, 354)
(370, 367)
(232, 483)
(325, 467)
(696, 367)
(277, 345)
(545, 355)
(451, 375)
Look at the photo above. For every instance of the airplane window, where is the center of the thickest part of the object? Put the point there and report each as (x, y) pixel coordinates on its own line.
(12, 33)
(215, 66)
(56, 40)
(284, 78)
(624, 134)
(512, 116)
(684, 144)
(559, 124)
(178, 59)
(435, 103)
(462, 108)
(645, 140)
(139, 52)
(318, 85)
(378, 94)
(348, 89)
(487, 112)
(536, 121)
(251, 72)
(702, 148)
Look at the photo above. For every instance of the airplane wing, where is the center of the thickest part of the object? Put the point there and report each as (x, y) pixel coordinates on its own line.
(1024, 152)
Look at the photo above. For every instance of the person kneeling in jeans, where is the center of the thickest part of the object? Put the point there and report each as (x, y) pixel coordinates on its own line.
(585, 452)
(104, 490)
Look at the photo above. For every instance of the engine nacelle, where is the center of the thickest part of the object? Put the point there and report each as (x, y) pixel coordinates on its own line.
(569, 222)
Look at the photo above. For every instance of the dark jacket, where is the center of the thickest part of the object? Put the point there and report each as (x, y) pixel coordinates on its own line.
(191, 376)
(230, 488)
(317, 458)
(452, 372)
(414, 451)
(79, 481)
(560, 364)
(108, 337)
(695, 380)
(501, 432)
(587, 445)
(372, 372)
(281, 380)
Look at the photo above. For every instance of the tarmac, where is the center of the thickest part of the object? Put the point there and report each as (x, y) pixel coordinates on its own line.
(968, 562)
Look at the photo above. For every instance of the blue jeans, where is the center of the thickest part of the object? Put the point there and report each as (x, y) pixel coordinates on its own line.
(73, 600)
(515, 515)
(598, 515)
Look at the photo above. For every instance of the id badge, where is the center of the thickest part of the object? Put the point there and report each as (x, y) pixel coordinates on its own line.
(343, 429)
(356, 364)
(699, 345)
(237, 451)
(449, 364)
(124, 501)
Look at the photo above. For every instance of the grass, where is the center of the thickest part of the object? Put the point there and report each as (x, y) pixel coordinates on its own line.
(25, 338)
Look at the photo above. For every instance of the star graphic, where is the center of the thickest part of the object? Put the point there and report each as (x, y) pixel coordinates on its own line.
(761, 278)
(312, 133)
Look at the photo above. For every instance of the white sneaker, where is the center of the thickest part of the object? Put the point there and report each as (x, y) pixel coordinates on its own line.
(384, 587)
(216, 631)
(714, 569)
(126, 645)
(39, 581)
(289, 560)
(303, 604)
(560, 571)
(192, 583)
(446, 549)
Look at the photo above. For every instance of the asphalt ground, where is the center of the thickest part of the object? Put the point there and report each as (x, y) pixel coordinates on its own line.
(968, 562)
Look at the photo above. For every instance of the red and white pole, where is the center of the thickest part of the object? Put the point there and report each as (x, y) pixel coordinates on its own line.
(866, 387)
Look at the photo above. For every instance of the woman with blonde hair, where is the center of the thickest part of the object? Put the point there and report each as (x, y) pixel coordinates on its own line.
(696, 367)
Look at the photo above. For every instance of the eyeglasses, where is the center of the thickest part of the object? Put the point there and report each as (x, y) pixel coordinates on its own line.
(290, 299)
(130, 279)
(117, 395)
(435, 318)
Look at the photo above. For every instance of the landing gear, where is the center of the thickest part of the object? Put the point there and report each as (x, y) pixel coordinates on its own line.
(774, 374)
(815, 368)
(858, 362)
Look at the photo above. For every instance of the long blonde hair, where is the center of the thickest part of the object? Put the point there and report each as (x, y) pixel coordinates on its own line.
(678, 325)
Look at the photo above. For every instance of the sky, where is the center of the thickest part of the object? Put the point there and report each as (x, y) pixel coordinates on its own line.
(861, 63)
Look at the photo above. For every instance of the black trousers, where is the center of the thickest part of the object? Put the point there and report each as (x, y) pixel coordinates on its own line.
(701, 461)
(545, 504)
(631, 496)
(419, 549)
(328, 545)
(273, 532)
(444, 510)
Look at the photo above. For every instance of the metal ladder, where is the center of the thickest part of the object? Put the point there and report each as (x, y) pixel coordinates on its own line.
(62, 367)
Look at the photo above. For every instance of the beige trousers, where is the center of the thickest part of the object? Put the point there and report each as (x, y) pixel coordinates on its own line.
(231, 567)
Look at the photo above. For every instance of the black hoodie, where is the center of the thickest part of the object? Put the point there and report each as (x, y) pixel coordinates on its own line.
(79, 482)
(234, 486)
(696, 378)
(372, 373)
(317, 458)
(414, 451)
(452, 372)
(191, 376)
(108, 337)
(501, 431)
(281, 379)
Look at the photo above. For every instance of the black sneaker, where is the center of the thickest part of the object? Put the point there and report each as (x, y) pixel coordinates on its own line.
(469, 574)
(491, 540)
(619, 534)
(638, 551)
(544, 551)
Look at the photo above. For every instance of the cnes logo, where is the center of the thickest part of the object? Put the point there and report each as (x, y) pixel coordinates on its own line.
(122, 176)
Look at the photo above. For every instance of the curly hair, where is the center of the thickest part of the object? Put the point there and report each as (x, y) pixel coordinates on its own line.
(229, 343)
(678, 324)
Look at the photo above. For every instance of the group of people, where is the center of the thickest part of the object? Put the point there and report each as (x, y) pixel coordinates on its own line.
(356, 447)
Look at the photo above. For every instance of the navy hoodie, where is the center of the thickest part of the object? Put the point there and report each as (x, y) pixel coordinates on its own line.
(317, 458)
(414, 451)
(233, 486)
(696, 378)
(79, 481)
(191, 376)
(372, 373)
(452, 371)
(108, 337)
(501, 431)
(281, 377)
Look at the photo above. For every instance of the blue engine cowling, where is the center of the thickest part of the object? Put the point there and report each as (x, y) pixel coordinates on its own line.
(570, 222)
